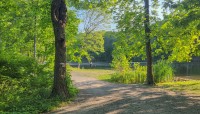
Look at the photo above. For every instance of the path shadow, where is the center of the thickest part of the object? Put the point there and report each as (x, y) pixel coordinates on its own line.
(130, 99)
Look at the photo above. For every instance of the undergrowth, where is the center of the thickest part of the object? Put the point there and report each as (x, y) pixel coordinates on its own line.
(29, 95)
(28, 90)
(163, 72)
(138, 75)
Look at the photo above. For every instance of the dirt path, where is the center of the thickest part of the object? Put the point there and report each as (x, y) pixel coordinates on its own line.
(99, 97)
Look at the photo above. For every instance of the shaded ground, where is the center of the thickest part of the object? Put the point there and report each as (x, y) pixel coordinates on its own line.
(194, 77)
(99, 97)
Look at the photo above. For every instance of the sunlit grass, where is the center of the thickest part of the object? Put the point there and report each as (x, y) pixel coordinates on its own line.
(191, 87)
(101, 74)
(95, 73)
(106, 77)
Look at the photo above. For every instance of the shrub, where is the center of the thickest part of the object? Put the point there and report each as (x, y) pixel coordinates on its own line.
(29, 94)
(138, 75)
(72, 89)
(163, 71)
(24, 95)
(121, 63)
(17, 66)
(21, 93)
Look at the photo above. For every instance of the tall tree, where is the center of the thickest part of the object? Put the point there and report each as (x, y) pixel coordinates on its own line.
(134, 24)
(148, 44)
(59, 18)
(180, 30)
(91, 40)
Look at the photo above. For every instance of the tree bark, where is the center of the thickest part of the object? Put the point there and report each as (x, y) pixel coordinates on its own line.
(150, 80)
(35, 30)
(59, 18)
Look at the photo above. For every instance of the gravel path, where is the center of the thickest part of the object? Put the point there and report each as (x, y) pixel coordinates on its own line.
(99, 97)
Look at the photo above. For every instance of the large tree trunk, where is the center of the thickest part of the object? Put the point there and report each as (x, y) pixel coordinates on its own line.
(59, 18)
(150, 80)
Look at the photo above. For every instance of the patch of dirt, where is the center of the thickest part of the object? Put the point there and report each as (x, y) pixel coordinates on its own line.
(99, 97)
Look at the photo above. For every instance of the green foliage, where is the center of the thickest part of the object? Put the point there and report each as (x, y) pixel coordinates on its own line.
(72, 89)
(17, 66)
(27, 91)
(179, 33)
(109, 39)
(25, 20)
(122, 53)
(163, 71)
(86, 45)
(121, 63)
(24, 95)
(26, 83)
(89, 42)
(138, 75)
(29, 94)
(71, 33)
(176, 37)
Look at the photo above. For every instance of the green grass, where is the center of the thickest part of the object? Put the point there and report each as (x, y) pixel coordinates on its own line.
(101, 74)
(106, 77)
(95, 73)
(191, 87)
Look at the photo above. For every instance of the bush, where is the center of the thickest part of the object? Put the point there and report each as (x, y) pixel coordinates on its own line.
(138, 75)
(163, 71)
(30, 94)
(17, 66)
(21, 92)
(72, 89)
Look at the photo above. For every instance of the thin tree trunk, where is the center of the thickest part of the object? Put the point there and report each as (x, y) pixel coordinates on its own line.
(35, 38)
(35, 47)
(58, 16)
(150, 80)
(79, 65)
(35, 32)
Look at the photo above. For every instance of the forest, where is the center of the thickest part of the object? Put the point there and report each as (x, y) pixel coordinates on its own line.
(147, 47)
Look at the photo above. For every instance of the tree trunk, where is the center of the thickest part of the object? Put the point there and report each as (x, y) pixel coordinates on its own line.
(35, 46)
(35, 37)
(150, 80)
(59, 18)
(79, 66)
(35, 31)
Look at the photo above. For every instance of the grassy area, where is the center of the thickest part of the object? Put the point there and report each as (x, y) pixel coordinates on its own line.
(191, 87)
(95, 73)
(106, 77)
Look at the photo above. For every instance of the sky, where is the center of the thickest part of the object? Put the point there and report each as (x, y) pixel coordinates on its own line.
(112, 26)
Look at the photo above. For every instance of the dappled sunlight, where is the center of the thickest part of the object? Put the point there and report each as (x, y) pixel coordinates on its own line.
(100, 56)
(102, 97)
